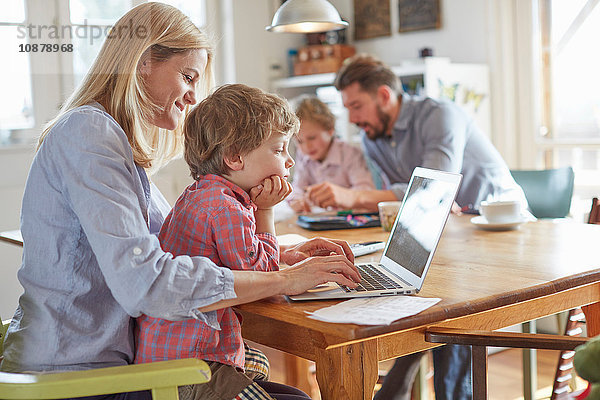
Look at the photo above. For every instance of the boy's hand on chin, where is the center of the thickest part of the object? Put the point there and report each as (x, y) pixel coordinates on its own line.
(271, 191)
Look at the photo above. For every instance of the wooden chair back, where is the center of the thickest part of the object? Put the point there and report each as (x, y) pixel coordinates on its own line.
(594, 217)
(3, 328)
(161, 378)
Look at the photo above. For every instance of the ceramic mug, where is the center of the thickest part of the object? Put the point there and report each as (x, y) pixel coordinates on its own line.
(501, 212)
(388, 210)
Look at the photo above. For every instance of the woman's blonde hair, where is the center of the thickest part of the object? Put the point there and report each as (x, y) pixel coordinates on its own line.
(310, 108)
(152, 29)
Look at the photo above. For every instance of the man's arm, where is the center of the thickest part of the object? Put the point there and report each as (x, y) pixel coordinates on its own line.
(330, 195)
(368, 199)
(444, 132)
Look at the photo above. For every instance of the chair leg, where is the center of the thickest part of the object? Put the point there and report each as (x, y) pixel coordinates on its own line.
(479, 362)
(165, 393)
(529, 364)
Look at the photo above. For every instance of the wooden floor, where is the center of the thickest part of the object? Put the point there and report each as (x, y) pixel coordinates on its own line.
(505, 374)
(505, 379)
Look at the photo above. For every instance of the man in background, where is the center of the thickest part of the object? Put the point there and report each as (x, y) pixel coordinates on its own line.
(401, 132)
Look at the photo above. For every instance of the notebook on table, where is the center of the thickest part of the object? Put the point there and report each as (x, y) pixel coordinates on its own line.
(326, 221)
(411, 244)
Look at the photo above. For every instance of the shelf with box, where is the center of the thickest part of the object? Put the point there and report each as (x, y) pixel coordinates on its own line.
(321, 58)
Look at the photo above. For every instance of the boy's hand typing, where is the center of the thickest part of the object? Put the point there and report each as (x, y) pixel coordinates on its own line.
(271, 191)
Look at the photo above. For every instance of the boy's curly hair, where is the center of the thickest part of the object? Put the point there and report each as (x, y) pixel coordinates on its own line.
(235, 119)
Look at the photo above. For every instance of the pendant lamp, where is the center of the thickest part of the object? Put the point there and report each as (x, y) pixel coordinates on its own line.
(306, 16)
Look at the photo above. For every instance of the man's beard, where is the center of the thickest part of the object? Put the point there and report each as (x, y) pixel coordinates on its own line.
(378, 132)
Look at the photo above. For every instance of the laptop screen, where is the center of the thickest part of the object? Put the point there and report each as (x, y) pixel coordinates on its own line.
(420, 223)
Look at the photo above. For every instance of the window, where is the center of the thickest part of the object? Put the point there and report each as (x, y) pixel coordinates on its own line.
(91, 20)
(94, 18)
(570, 63)
(79, 25)
(194, 9)
(16, 110)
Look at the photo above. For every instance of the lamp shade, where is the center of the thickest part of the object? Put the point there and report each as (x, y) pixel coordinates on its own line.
(306, 16)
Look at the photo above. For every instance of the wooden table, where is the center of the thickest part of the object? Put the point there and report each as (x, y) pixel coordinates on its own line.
(13, 237)
(487, 280)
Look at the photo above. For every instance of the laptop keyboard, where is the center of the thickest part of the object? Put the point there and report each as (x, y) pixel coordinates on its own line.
(372, 279)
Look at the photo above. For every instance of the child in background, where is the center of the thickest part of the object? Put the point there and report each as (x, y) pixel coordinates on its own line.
(236, 146)
(322, 157)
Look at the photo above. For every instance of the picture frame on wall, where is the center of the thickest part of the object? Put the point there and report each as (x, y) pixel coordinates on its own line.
(417, 15)
(371, 19)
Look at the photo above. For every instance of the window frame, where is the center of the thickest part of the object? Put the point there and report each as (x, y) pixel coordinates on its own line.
(49, 89)
(40, 88)
(548, 142)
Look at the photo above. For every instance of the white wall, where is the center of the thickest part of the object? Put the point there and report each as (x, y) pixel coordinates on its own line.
(463, 37)
(255, 48)
(14, 164)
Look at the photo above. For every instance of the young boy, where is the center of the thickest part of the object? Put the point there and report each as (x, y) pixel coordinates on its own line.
(323, 157)
(236, 146)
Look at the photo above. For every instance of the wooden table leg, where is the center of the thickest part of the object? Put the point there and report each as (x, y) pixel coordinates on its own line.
(348, 372)
(592, 319)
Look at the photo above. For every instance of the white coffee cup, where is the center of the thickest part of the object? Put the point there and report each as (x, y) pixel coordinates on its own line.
(501, 212)
(388, 210)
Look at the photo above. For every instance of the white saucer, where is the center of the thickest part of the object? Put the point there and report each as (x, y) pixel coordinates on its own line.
(483, 223)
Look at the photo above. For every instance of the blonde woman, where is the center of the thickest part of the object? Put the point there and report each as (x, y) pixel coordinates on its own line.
(91, 260)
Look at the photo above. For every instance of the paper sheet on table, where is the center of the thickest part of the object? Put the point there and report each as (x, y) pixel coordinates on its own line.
(373, 310)
(290, 239)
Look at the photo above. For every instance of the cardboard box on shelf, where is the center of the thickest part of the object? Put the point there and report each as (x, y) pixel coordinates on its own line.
(320, 59)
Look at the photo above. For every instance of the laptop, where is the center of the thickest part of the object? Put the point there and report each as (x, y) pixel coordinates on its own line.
(412, 242)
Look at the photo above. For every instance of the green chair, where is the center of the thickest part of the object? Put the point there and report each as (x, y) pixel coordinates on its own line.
(548, 191)
(162, 378)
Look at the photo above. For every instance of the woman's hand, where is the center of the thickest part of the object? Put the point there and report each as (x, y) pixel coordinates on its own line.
(315, 247)
(308, 273)
(314, 271)
(271, 191)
